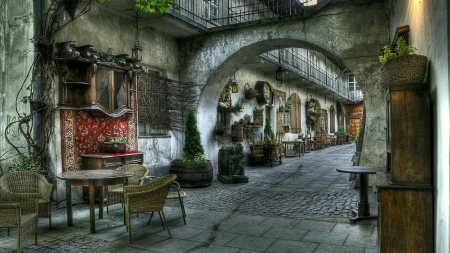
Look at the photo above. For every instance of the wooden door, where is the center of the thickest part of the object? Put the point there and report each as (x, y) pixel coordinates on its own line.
(354, 126)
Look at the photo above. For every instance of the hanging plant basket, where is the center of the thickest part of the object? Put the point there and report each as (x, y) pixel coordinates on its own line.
(70, 6)
(250, 93)
(408, 69)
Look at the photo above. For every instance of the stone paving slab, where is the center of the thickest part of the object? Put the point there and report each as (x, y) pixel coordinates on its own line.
(303, 205)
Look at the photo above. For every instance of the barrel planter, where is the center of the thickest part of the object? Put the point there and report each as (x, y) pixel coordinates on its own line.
(224, 164)
(191, 175)
(237, 133)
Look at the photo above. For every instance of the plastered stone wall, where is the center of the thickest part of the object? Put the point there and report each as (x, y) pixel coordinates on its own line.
(350, 33)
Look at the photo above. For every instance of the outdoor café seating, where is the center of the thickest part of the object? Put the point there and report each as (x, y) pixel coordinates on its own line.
(33, 183)
(115, 192)
(19, 210)
(149, 197)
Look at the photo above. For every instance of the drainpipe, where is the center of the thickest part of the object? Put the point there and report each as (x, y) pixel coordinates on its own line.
(38, 6)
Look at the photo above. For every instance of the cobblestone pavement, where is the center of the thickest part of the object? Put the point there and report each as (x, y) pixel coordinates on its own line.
(300, 189)
(307, 187)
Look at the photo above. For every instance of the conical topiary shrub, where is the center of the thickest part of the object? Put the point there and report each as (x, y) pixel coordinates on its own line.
(192, 169)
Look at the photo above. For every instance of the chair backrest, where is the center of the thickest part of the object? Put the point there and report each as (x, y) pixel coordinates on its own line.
(140, 170)
(150, 196)
(21, 181)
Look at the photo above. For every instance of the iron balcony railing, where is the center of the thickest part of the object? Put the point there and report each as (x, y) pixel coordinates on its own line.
(296, 63)
(226, 14)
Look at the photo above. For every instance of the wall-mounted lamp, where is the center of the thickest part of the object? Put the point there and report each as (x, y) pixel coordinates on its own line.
(234, 86)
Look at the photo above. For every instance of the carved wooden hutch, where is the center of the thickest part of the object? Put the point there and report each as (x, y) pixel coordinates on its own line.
(103, 90)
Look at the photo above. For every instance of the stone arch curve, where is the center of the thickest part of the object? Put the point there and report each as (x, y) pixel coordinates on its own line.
(349, 34)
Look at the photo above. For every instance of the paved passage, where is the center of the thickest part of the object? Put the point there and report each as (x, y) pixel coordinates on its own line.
(302, 205)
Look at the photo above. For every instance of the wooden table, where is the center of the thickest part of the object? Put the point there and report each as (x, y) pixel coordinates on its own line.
(297, 147)
(363, 211)
(91, 178)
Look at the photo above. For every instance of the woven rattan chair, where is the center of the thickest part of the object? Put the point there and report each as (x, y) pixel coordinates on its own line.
(115, 192)
(149, 197)
(19, 210)
(173, 194)
(30, 182)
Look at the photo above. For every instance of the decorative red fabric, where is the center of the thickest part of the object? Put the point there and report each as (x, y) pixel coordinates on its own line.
(83, 134)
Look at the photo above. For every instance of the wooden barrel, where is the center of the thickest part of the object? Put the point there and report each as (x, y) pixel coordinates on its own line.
(237, 133)
(258, 118)
(224, 164)
(192, 175)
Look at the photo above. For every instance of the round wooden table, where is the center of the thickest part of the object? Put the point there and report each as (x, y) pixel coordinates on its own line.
(91, 178)
(363, 211)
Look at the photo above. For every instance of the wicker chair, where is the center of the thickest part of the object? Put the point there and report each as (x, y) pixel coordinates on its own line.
(19, 210)
(30, 182)
(176, 194)
(149, 197)
(115, 192)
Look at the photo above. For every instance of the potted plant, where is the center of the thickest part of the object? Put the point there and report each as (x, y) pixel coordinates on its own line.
(116, 143)
(193, 169)
(268, 132)
(401, 65)
(231, 164)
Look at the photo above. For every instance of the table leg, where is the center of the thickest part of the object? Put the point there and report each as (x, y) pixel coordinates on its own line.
(100, 202)
(92, 206)
(363, 212)
(69, 204)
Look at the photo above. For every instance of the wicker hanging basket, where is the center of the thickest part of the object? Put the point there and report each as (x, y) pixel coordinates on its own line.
(249, 92)
(406, 69)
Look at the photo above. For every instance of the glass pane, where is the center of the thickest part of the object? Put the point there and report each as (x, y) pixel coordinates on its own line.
(119, 90)
(102, 83)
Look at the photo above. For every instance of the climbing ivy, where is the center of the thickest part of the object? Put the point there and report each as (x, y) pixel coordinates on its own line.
(151, 6)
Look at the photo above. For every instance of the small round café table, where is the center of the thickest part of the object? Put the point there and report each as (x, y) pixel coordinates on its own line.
(91, 178)
(363, 212)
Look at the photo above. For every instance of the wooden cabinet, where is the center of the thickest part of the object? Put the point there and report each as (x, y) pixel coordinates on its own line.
(408, 134)
(85, 83)
(405, 219)
(107, 162)
(405, 216)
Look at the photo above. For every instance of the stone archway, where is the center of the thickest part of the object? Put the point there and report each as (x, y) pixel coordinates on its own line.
(347, 32)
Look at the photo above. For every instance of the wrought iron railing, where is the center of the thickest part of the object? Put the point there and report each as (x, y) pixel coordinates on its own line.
(298, 64)
(223, 14)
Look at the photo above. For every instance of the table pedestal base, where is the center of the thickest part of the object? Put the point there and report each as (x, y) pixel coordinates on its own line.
(362, 217)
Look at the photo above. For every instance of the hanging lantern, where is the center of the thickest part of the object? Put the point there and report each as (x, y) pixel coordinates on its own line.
(279, 74)
(234, 86)
(136, 53)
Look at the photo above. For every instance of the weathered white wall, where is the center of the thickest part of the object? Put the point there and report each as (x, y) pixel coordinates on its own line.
(429, 25)
(16, 57)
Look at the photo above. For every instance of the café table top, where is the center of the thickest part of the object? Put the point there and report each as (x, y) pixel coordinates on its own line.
(94, 174)
(361, 169)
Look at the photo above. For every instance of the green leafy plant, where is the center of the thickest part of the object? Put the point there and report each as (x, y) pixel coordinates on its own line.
(117, 139)
(268, 129)
(239, 155)
(288, 105)
(340, 131)
(357, 135)
(162, 6)
(401, 49)
(24, 163)
(193, 149)
(109, 57)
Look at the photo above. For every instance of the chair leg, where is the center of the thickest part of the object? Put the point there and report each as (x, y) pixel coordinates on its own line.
(182, 209)
(151, 216)
(163, 217)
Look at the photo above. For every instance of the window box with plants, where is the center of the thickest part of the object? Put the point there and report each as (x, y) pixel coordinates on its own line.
(401, 66)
